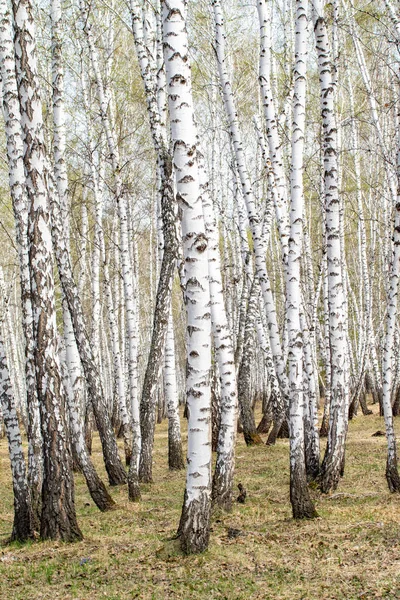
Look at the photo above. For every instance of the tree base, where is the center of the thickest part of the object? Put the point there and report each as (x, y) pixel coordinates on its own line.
(134, 494)
(271, 441)
(60, 525)
(221, 493)
(392, 476)
(116, 474)
(175, 455)
(99, 493)
(23, 526)
(329, 476)
(252, 438)
(194, 526)
(146, 464)
(264, 425)
(302, 505)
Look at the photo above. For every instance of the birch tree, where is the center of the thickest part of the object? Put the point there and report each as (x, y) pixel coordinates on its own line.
(58, 517)
(127, 272)
(302, 505)
(334, 455)
(96, 487)
(15, 152)
(152, 72)
(23, 526)
(195, 519)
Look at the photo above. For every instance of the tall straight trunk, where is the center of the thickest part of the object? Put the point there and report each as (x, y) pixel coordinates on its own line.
(366, 287)
(9, 331)
(97, 176)
(311, 434)
(302, 506)
(244, 372)
(392, 473)
(338, 418)
(75, 394)
(126, 263)
(19, 199)
(223, 345)
(119, 378)
(194, 527)
(23, 526)
(154, 84)
(271, 121)
(175, 455)
(160, 322)
(84, 228)
(58, 518)
(248, 195)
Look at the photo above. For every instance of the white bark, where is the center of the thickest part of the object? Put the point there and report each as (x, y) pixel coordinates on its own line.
(252, 210)
(58, 518)
(15, 153)
(302, 505)
(194, 525)
(224, 469)
(23, 516)
(333, 460)
(121, 201)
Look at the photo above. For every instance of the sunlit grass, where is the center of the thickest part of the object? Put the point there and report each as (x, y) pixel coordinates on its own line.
(352, 551)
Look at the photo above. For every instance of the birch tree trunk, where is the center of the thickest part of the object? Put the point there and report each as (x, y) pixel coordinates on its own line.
(247, 191)
(338, 418)
(127, 271)
(115, 470)
(244, 372)
(392, 473)
(175, 455)
(23, 526)
(223, 344)
(302, 506)
(154, 86)
(271, 121)
(160, 323)
(119, 378)
(15, 152)
(58, 518)
(96, 487)
(194, 527)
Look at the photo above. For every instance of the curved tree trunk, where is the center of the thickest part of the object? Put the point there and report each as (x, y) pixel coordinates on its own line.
(96, 487)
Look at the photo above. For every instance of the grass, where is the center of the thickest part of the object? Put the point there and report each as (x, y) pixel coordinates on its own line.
(351, 552)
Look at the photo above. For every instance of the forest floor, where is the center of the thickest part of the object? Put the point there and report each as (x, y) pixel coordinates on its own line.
(352, 551)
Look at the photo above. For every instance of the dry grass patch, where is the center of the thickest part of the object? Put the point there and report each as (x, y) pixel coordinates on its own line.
(257, 552)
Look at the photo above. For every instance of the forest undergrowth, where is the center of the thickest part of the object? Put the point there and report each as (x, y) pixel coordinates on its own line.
(352, 551)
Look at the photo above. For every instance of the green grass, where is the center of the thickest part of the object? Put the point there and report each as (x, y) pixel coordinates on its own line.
(351, 552)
